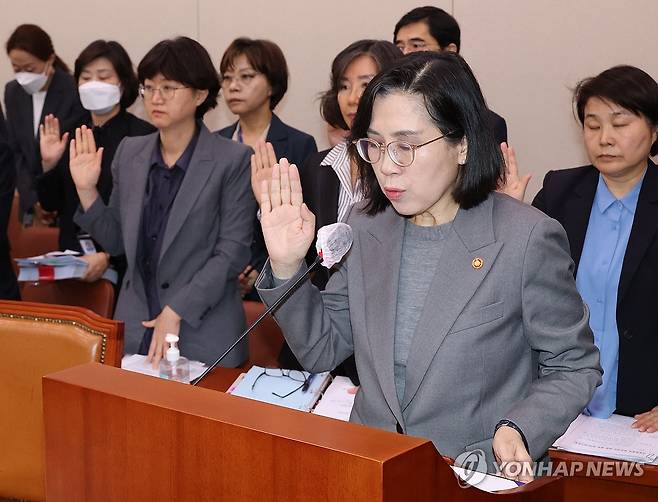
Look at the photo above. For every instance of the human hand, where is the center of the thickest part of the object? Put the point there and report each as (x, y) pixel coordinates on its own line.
(647, 421)
(514, 185)
(85, 165)
(97, 264)
(167, 322)
(51, 145)
(246, 280)
(288, 224)
(45, 218)
(262, 162)
(511, 455)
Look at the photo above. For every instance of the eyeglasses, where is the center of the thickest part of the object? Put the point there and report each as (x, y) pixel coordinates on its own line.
(167, 92)
(400, 152)
(295, 375)
(242, 78)
(417, 46)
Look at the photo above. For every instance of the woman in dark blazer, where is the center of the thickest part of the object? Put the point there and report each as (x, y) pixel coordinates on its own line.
(108, 86)
(43, 86)
(610, 212)
(181, 211)
(254, 77)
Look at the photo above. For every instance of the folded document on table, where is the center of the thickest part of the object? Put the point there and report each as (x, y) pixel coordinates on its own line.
(612, 437)
(55, 266)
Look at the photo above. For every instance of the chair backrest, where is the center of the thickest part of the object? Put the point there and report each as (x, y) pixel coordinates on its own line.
(96, 296)
(30, 241)
(266, 340)
(37, 339)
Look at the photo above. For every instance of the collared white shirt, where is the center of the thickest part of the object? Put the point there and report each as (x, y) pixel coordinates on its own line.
(339, 160)
(237, 134)
(38, 100)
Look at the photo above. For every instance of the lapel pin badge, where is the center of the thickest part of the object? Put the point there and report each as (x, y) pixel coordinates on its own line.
(477, 263)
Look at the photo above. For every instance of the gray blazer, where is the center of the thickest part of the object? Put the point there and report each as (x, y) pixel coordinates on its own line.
(473, 359)
(205, 247)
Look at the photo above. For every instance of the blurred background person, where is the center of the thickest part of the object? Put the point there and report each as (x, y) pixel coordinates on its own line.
(107, 85)
(433, 29)
(43, 86)
(254, 77)
(610, 212)
(8, 284)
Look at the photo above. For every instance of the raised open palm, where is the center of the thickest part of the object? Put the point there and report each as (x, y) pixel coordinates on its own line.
(51, 144)
(288, 225)
(85, 160)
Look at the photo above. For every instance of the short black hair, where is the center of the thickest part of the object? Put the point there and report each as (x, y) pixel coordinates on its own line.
(265, 57)
(627, 86)
(384, 53)
(442, 26)
(454, 102)
(123, 66)
(183, 60)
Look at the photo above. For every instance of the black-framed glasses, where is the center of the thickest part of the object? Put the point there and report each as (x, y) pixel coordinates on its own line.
(294, 375)
(401, 153)
(167, 92)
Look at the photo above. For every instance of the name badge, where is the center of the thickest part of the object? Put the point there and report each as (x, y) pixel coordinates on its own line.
(86, 244)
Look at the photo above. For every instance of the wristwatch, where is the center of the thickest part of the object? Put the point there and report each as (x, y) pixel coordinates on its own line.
(509, 423)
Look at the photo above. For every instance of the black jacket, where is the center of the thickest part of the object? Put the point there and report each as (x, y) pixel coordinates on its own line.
(287, 142)
(56, 189)
(62, 100)
(567, 196)
(8, 285)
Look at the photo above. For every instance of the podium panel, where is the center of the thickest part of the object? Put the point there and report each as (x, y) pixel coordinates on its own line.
(116, 435)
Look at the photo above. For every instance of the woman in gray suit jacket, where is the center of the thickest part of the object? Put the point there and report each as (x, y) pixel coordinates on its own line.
(181, 211)
(458, 302)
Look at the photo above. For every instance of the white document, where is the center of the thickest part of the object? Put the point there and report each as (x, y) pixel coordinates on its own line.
(138, 364)
(612, 437)
(337, 400)
(484, 482)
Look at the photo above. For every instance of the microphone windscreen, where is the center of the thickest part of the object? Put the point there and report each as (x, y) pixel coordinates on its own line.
(333, 242)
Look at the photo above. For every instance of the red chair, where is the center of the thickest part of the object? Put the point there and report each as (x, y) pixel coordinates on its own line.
(96, 296)
(265, 341)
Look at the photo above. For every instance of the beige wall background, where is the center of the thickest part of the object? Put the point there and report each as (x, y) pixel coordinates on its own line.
(527, 55)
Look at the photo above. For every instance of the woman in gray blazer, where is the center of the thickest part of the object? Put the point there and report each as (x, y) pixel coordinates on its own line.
(458, 302)
(181, 211)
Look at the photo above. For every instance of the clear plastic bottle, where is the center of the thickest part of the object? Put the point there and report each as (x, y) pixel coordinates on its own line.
(173, 366)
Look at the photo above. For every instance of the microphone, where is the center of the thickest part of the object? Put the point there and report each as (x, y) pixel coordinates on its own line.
(333, 242)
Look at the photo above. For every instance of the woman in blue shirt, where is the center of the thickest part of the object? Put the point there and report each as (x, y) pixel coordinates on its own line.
(610, 214)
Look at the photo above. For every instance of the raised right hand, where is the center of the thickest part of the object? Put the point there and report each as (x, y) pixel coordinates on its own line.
(85, 165)
(261, 166)
(288, 224)
(51, 145)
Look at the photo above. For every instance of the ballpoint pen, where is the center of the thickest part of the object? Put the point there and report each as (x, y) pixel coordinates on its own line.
(307, 382)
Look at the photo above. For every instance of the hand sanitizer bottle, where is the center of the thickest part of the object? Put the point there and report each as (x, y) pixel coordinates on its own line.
(173, 366)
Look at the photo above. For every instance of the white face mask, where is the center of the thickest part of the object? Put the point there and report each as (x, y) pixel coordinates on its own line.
(99, 97)
(31, 82)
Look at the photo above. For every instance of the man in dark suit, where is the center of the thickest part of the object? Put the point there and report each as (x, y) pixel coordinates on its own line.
(433, 29)
(8, 285)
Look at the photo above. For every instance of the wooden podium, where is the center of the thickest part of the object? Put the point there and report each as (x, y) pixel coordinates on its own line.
(119, 436)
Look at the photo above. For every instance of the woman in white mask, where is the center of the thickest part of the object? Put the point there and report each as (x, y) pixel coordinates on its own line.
(107, 85)
(43, 86)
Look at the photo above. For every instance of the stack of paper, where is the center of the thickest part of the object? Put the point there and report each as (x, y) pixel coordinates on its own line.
(139, 364)
(612, 438)
(55, 266)
(299, 390)
(337, 400)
